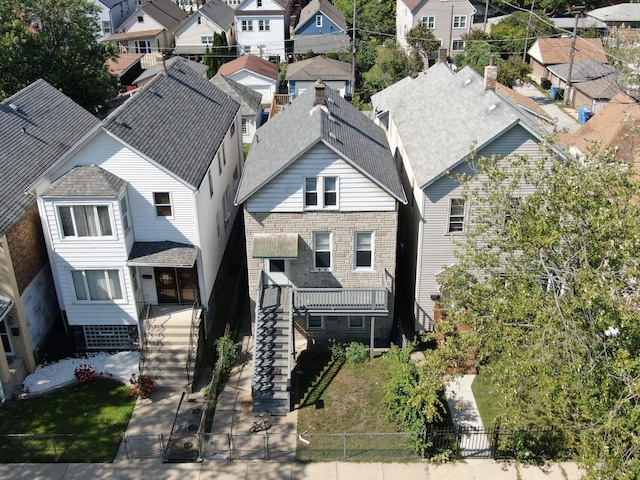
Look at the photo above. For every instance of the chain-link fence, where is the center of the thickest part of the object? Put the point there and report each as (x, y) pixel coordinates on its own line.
(58, 448)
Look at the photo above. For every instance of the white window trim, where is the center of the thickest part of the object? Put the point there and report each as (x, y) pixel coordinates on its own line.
(206, 39)
(459, 18)
(12, 352)
(155, 205)
(319, 21)
(119, 301)
(320, 191)
(426, 24)
(322, 269)
(315, 329)
(357, 329)
(464, 217)
(370, 268)
(453, 42)
(76, 238)
(126, 214)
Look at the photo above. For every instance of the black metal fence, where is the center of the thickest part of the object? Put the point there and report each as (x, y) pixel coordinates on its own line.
(461, 442)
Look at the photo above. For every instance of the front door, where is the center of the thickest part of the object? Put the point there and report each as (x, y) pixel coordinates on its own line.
(277, 271)
(167, 285)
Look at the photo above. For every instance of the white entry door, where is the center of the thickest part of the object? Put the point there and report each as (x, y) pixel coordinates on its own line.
(277, 271)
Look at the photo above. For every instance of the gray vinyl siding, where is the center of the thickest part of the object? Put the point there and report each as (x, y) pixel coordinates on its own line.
(437, 245)
(355, 191)
(444, 11)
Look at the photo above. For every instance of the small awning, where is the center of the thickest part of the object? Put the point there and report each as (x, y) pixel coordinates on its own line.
(275, 245)
(162, 254)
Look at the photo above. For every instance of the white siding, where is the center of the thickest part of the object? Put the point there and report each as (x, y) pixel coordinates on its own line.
(336, 85)
(272, 41)
(264, 86)
(213, 246)
(356, 192)
(437, 249)
(191, 33)
(132, 24)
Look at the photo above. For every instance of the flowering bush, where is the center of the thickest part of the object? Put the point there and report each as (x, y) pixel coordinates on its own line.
(85, 372)
(142, 386)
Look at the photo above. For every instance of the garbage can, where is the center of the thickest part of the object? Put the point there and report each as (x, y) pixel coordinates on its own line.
(584, 114)
(554, 91)
(545, 83)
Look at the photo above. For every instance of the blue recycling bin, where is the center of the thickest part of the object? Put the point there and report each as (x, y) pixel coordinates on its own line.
(584, 114)
(554, 91)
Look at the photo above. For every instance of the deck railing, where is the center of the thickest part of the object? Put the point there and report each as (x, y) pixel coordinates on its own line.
(328, 300)
(280, 100)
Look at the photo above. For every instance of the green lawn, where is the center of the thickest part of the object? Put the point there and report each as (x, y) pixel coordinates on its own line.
(487, 401)
(94, 415)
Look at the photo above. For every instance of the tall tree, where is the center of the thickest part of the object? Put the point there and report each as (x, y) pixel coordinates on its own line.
(55, 40)
(375, 18)
(549, 283)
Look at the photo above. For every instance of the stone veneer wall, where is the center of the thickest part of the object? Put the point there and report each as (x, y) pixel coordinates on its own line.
(343, 226)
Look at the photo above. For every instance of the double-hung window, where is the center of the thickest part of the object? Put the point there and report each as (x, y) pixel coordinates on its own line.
(356, 322)
(206, 39)
(459, 21)
(247, 25)
(245, 128)
(320, 192)
(319, 21)
(456, 216)
(364, 250)
(322, 250)
(429, 22)
(162, 202)
(5, 337)
(458, 45)
(124, 213)
(315, 322)
(263, 25)
(97, 285)
(85, 221)
(142, 46)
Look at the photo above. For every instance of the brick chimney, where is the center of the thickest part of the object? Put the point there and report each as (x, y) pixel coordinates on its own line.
(490, 75)
(320, 100)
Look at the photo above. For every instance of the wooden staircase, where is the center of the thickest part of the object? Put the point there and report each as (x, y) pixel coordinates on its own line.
(169, 336)
(271, 381)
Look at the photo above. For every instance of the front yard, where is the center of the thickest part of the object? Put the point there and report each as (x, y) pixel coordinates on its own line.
(87, 419)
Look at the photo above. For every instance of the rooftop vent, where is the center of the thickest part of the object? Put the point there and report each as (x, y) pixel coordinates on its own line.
(467, 82)
(492, 107)
(333, 135)
(13, 107)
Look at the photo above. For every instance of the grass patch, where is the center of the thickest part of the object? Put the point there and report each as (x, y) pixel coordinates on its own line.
(87, 419)
(487, 401)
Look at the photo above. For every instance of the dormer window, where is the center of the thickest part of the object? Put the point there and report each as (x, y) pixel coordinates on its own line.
(319, 21)
(320, 192)
(259, 3)
(140, 19)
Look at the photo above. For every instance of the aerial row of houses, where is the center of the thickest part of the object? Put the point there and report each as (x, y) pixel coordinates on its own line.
(117, 222)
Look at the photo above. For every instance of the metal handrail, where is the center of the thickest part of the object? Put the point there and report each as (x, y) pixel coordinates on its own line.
(143, 333)
(255, 323)
(193, 347)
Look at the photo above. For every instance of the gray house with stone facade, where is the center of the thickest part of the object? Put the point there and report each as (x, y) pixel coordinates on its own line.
(321, 197)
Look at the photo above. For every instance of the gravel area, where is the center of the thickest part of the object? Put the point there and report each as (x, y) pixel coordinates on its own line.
(48, 377)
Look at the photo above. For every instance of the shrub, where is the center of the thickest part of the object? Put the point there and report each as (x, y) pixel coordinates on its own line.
(85, 372)
(356, 352)
(337, 350)
(141, 386)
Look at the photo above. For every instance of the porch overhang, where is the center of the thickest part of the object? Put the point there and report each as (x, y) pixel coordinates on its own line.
(162, 254)
(275, 245)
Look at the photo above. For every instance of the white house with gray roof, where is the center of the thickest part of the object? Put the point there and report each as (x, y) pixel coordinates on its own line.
(195, 33)
(249, 100)
(434, 121)
(37, 126)
(333, 73)
(138, 215)
(321, 213)
(262, 27)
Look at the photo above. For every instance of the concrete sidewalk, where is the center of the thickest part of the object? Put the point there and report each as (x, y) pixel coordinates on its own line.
(566, 117)
(141, 469)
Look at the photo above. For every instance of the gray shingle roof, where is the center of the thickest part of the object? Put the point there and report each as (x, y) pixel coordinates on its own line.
(319, 68)
(52, 124)
(164, 253)
(622, 12)
(86, 181)
(218, 12)
(178, 120)
(380, 100)
(582, 71)
(440, 115)
(153, 70)
(165, 12)
(249, 99)
(326, 7)
(326, 43)
(350, 133)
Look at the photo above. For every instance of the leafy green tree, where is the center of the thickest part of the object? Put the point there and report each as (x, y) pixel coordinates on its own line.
(476, 55)
(374, 18)
(549, 284)
(56, 40)
(552, 6)
(511, 33)
(513, 71)
(422, 42)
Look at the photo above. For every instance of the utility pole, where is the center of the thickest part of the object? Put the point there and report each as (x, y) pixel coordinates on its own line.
(353, 52)
(572, 53)
(486, 15)
(526, 37)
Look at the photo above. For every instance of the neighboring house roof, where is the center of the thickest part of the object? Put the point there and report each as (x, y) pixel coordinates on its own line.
(440, 115)
(623, 12)
(524, 102)
(582, 71)
(568, 23)
(414, 4)
(177, 120)
(86, 181)
(154, 69)
(165, 12)
(602, 88)
(40, 129)
(319, 67)
(281, 3)
(123, 62)
(219, 12)
(380, 100)
(110, 3)
(133, 35)
(249, 99)
(325, 43)
(610, 127)
(327, 8)
(549, 51)
(156, 254)
(251, 63)
(337, 124)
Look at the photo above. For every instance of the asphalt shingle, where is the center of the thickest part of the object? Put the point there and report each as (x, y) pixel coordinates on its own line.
(43, 125)
(342, 127)
(250, 100)
(178, 120)
(86, 181)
